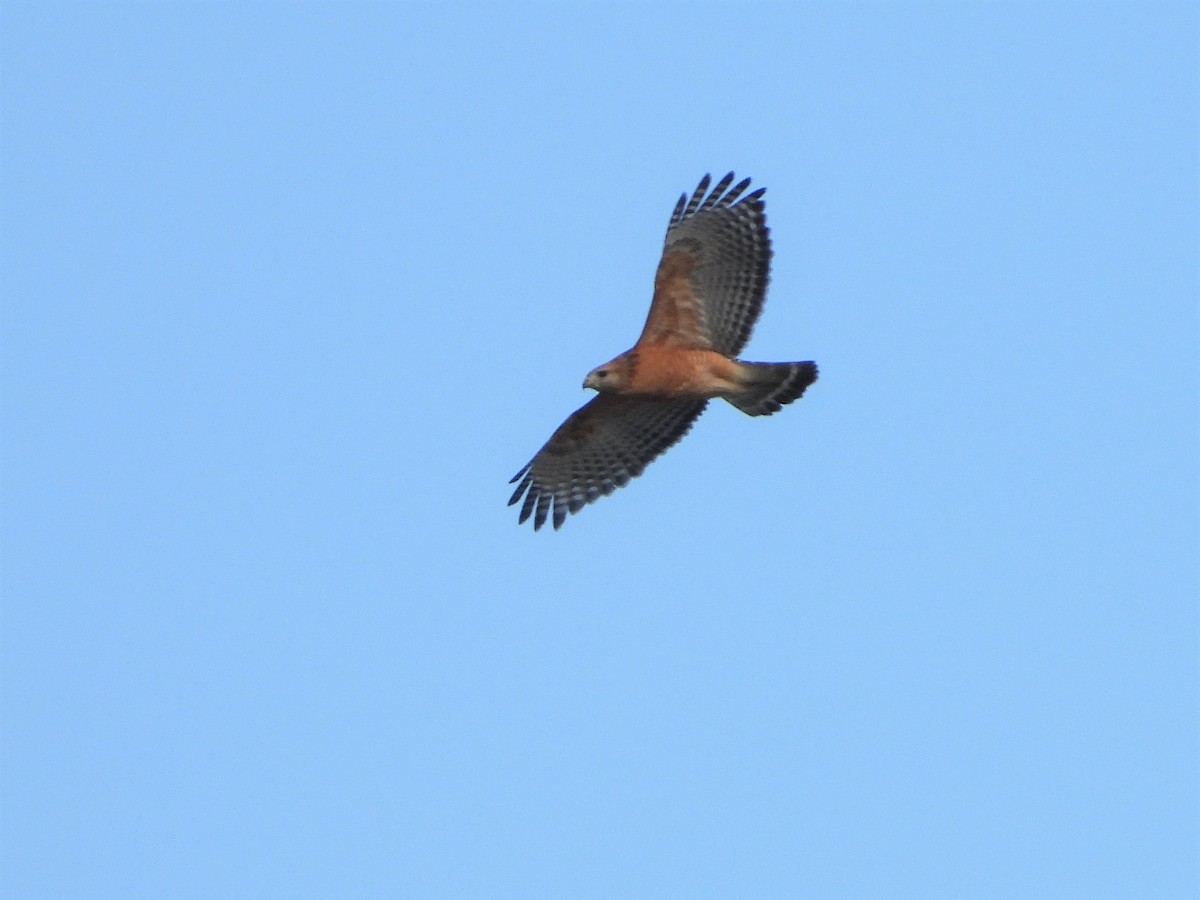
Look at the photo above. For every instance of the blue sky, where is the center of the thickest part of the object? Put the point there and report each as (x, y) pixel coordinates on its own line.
(290, 292)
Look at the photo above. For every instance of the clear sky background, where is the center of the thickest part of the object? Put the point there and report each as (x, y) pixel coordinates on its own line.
(291, 291)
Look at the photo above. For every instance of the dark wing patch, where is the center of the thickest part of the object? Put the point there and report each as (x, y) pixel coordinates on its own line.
(600, 447)
(726, 238)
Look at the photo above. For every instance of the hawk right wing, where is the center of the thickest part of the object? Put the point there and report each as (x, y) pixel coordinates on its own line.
(600, 447)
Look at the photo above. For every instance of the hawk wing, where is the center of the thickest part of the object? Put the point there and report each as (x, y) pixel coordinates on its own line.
(716, 263)
(602, 445)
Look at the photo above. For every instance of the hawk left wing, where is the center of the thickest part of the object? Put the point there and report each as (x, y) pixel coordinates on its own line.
(712, 278)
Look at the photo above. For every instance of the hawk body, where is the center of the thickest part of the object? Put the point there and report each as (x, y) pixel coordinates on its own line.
(664, 370)
(708, 293)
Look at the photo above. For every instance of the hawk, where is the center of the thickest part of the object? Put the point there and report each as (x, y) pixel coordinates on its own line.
(708, 293)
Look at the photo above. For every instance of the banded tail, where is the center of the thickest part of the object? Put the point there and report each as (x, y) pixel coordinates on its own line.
(768, 387)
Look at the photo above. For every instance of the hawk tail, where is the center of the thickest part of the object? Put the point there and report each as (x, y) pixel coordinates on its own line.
(768, 387)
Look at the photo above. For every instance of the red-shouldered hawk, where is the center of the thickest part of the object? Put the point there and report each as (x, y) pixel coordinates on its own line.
(708, 293)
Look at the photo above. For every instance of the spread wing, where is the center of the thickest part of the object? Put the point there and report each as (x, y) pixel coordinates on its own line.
(602, 445)
(716, 263)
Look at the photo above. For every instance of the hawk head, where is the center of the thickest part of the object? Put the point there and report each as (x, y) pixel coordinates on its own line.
(601, 379)
(610, 378)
